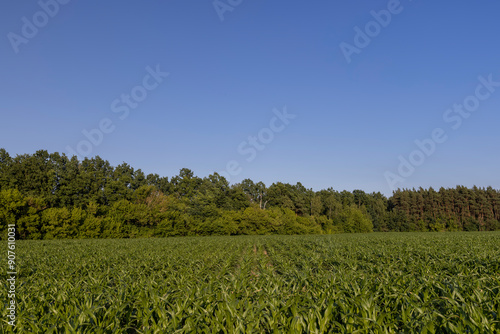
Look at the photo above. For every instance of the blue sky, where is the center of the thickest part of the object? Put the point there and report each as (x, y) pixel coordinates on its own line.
(354, 120)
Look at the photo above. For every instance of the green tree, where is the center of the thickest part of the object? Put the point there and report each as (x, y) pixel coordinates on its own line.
(12, 207)
(353, 220)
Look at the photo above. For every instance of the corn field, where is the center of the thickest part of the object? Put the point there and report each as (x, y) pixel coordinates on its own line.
(363, 283)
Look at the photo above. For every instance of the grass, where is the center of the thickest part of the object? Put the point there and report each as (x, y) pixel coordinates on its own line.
(349, 283)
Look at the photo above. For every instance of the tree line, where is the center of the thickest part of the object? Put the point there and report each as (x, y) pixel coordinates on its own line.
(52, 196)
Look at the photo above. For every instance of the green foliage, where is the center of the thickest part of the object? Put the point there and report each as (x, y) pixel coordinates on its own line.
(224, 225)
(353, 220)
(459, 209)
(12, 206)
(91, 227)
(285, 221)
(44, 195)
(62, 223)
(349, 283)
(255, 221)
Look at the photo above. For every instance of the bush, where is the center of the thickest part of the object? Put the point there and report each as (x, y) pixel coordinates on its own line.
(353, 220)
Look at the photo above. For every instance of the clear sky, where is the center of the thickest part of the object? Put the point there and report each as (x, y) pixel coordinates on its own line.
(70, 67)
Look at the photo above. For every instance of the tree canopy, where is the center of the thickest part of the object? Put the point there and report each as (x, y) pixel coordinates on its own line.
(54, 196)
